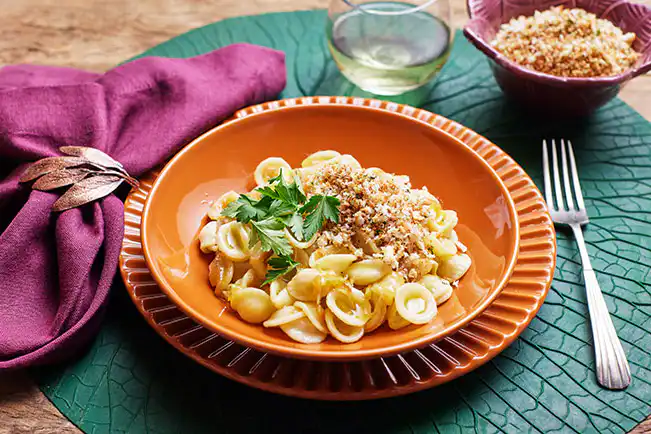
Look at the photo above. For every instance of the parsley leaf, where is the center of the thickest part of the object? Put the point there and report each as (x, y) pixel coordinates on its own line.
(268, 191)
(280, 209)
(245, 209)
(295, 223)
(280, 265)
(289, 193)
(318, 209)
(270, 232)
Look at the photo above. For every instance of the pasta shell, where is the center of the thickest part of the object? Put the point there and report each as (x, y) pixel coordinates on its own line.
(455, 267)
(375, 171)
(445, 221)
(341, 331)
(378, 311)
(208, 237)
(258, 260)
(440, 288)
(324, 251)
(349, 306)
(315, 313)
(250, 279)
(346, 160)
(216, 208)
(387, 286)
(279, 295)
(270, 168)
(252, 304)
(305, 286)
(233, 241)
(396, 322)
(443, 248)
(303, 330)
(337, 262)
(302, 257)
(220, 273)
(299, 244)
(318, 158)
(283, 316)
(368, 271)
(415, 303)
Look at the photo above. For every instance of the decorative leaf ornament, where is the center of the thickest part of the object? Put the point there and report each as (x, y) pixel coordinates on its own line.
(90, 173)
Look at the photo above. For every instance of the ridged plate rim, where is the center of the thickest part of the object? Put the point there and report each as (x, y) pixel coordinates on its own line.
(467, 349)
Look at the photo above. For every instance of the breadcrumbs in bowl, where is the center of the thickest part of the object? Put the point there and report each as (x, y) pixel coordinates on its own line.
(567, 43)
(560, 61)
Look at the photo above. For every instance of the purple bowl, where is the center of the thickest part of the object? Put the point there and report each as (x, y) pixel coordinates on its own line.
(547, 93)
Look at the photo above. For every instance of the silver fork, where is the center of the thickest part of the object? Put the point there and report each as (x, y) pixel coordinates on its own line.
(613, 371)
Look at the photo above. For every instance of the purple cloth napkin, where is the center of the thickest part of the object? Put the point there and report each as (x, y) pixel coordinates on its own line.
(56, 269)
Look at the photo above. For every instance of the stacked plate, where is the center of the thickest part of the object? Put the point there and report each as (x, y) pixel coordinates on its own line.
(504, 224)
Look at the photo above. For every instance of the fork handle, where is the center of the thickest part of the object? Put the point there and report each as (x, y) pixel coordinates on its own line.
(613, 371)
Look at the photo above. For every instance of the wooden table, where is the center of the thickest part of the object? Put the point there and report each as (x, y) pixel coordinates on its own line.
(96, 35)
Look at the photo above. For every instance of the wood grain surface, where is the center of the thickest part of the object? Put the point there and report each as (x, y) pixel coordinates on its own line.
(96, 35)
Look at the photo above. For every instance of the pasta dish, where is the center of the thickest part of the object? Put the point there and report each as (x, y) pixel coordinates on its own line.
(332, 248)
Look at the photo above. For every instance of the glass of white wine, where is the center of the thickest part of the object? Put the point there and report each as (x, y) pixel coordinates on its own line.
(389, 48)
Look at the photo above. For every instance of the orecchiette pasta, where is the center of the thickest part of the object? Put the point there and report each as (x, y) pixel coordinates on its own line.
(395, 321)
(346, 160)
(455, 267)
(315, 313)
(302, 330)
(220, 273)
(378, 310)
(284, 315)
(319, 158)
(302, 245)
(271, 168)
(215, 210)
(442, 247)
(444, 222)
(258, 260)
(336, 262)
(440, 288)
(233, 241)
(341, 331)
(415, 303)
(367, 271)
(252, 304)
(306, 285)
(349, 305)
(391, 256)
(208, 237)
(279, 295)
(387, 286)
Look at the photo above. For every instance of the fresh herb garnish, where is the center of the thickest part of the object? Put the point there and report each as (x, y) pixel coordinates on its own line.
(245, 209)
(271, 236)
(282, 205)
(280, 265)
(318, 209)
(295, 224)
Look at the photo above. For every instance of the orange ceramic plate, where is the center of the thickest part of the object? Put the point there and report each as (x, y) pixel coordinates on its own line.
(225, 158)
(434, 364)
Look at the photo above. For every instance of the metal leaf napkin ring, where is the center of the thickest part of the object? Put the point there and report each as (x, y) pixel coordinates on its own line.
(91, 173)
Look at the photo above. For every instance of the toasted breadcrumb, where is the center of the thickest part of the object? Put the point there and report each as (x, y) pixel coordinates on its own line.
(567, 43)
(380, 215)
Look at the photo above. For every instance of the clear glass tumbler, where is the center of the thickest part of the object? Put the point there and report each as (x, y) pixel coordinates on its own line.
(389, 48)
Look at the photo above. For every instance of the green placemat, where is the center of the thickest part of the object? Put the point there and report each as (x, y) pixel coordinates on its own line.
(130, 380)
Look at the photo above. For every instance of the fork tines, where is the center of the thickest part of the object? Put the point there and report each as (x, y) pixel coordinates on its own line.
(572, 200)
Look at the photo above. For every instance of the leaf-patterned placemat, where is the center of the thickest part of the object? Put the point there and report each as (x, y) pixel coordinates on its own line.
(130, 380)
